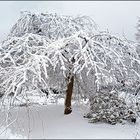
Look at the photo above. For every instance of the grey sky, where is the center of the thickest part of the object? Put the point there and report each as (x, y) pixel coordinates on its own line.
(119, 17)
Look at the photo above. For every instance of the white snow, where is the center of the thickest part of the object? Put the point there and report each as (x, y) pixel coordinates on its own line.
(49, 122)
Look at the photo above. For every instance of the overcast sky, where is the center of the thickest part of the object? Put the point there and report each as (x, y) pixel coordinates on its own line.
(119, 17)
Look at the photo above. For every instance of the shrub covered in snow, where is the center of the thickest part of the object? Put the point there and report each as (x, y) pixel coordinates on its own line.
(110, 108)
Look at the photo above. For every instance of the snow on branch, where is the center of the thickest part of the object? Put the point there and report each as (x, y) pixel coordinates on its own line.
(53, 26)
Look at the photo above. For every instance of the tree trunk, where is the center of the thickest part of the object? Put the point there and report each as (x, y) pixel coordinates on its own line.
(69, 91)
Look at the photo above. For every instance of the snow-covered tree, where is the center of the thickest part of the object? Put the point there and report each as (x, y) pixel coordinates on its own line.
(47, 50)
(52, 26)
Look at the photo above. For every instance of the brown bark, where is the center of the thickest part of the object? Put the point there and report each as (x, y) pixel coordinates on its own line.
(69, 91)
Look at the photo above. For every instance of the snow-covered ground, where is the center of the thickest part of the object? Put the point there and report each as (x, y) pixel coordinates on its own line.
(49, 122)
